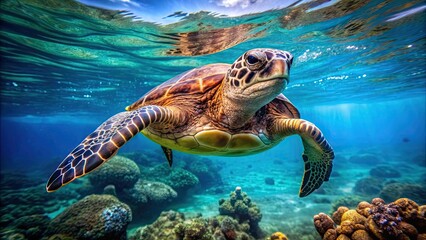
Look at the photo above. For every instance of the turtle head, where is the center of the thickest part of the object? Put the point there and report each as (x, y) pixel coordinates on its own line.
(259, 75)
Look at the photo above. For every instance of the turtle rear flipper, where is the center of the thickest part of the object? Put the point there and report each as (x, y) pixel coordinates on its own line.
(104, 142)
(318, 155)
(169, 155)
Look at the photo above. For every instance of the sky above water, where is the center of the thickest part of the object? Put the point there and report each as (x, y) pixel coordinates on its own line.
(169, 11)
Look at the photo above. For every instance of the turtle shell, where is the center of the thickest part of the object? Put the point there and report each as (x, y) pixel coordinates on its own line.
(193, 82)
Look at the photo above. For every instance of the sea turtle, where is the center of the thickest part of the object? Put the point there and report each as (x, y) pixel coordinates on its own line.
(217, 109)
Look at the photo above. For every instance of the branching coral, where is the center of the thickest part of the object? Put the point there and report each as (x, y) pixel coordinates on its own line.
(240, 207)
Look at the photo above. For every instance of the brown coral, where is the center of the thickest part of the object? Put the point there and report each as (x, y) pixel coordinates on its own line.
(278, 236)
(409, 230)
(407, 208)
(331, 234)
(353, 216)
(363, 208)
(361, 235)
(399, 220)
(337, 215)
(343, 237)
(322, 223)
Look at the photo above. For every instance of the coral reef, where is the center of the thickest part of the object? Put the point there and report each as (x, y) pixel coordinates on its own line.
(147, 158)
(21, 200)
(145, 192)
(118, 171)
(365, 159)
(94, 217)
(27, 227)
(369, 186)
(196, 229)
(393, 191)
(384, 172)
(269, 181)
(179, 179)
(402, 219)
(238, 221)
(240, 207)
(278, 236)
(110, 189)
(350, 201)
(25, 205)
(162, 228)
(185, 174)
(173, 225)
(419, 160)
(206, 170)
(14, 180)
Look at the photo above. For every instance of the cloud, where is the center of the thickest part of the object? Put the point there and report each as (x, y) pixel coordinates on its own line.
(233, 3)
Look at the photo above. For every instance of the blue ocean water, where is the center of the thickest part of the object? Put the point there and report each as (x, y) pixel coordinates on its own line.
(358, 73)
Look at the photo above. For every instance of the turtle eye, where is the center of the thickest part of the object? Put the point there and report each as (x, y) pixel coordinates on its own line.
(255, 60)
(251, 59)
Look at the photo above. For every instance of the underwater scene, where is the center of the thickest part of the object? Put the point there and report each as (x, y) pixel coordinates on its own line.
(310, 124)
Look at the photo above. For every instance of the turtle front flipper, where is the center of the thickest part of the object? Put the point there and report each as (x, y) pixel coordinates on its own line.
(105, 141)
(318, 155)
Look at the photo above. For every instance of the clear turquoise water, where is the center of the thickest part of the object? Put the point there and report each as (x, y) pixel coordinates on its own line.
(358, 73)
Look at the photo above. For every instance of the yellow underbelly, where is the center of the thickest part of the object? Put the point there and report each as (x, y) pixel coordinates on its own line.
(213, 142)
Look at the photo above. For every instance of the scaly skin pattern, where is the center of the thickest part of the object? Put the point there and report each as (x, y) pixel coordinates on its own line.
(217, 109)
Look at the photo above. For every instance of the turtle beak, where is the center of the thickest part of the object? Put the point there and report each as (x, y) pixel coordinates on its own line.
(289, 63)
(278, 69)
(286, 71)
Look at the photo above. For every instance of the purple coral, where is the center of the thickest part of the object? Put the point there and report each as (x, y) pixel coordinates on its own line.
(386, 217)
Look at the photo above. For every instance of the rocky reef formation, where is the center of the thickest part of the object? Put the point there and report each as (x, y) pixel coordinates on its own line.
(269, 181)
(278, 236)
(178, 178)
(368, 186)
(238, 220)
(384, 172)
(399, 220)
(350, 201)
(99, 217)
(118, 171)
(25, 205)
(121, 177)
(419, 160)
(150, 192)
(190, 173)
(172, 225)
(26, 227)
(395, 190)
(206, 170)
(366, 159)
